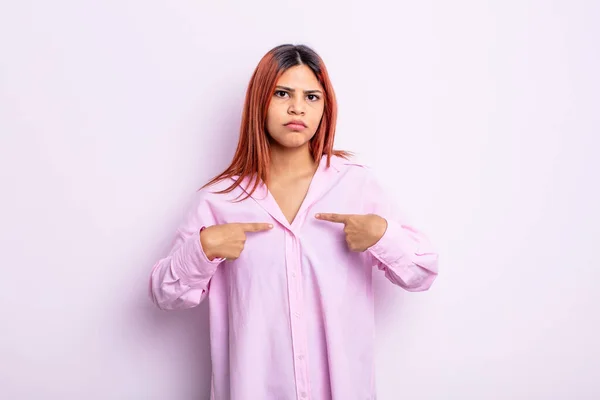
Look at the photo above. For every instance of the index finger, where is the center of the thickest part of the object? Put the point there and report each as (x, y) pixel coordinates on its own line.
(255, 226)
(331, 217)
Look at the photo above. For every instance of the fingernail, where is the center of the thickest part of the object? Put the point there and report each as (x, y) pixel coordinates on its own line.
(270, 226)
(317, 215)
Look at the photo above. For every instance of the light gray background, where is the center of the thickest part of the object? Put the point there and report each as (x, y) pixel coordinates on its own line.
(480, 117)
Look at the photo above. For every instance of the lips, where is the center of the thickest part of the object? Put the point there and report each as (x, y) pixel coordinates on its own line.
(296, 125)
(296, 122)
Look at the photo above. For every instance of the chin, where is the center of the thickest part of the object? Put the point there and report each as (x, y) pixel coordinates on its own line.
(292, 142)
(292, 145)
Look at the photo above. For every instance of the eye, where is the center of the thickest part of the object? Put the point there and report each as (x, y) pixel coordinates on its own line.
(280, 93)
(313, 97)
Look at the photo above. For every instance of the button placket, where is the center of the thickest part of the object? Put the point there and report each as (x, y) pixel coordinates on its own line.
(297, 320)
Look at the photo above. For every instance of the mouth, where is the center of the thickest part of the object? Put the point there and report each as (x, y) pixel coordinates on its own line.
(296, 125)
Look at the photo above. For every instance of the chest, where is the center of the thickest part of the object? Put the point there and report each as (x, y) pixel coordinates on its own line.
(289, 196)
(313, 253)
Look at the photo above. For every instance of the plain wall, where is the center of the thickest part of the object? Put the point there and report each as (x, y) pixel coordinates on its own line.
(482, 118)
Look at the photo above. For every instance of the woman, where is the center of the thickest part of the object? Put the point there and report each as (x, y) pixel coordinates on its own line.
(283, 243)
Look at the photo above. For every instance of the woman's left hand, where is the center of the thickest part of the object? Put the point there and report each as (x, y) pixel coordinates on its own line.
(362, 231)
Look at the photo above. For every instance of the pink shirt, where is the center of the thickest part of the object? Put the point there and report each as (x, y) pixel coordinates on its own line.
(293, 318)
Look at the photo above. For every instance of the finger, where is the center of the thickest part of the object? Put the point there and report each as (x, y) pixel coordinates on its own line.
(256, 227)
(338, 218)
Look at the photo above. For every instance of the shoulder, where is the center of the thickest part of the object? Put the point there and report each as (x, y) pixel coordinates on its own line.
(352, 166)
(212, 194)
(361, 175)
(352, 162)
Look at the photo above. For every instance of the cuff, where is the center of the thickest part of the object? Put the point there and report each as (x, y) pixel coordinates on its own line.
(194, 265)
(394, 245)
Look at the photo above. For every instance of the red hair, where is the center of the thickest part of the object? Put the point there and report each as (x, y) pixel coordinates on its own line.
(252, 156)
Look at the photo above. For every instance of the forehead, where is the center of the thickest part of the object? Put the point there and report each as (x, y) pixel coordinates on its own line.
(299, 76)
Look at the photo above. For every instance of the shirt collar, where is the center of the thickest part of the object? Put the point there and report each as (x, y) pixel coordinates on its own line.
(322, 181)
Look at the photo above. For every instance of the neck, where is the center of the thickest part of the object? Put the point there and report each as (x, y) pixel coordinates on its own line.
(291, 162)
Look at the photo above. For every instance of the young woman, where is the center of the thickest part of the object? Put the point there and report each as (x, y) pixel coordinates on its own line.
(283, 243)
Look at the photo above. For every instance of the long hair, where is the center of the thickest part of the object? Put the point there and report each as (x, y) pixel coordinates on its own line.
(253, 156)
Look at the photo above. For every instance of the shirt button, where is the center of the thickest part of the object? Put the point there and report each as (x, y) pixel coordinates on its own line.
(300, 357)
(303, 394)
(297, 314)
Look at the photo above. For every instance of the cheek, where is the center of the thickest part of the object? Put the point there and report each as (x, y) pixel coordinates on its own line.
(271, 117)
(316, 117)
(274, 121)
(274, 115)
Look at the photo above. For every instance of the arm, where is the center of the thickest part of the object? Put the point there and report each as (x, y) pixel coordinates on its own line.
(403, 252)
(181, 279)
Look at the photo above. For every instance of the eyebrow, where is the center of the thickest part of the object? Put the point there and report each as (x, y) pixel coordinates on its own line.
(293, 90)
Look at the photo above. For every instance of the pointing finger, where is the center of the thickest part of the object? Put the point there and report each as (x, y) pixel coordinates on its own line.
(338, 218)
(256, 227)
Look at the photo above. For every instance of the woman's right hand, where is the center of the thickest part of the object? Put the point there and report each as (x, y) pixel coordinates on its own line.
(227, 240)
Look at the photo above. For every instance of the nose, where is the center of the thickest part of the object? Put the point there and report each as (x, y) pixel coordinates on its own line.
(296, 106)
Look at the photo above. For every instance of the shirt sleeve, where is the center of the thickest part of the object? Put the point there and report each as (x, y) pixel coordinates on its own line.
(182, 278)
(404, 253)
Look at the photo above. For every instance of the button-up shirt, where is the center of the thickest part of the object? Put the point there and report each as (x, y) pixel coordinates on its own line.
(292, 317)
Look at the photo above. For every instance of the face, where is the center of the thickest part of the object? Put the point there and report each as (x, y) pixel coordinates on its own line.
(298, 97)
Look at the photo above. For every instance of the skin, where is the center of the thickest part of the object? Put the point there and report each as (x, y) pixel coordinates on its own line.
(362, 231)
(298, 96)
